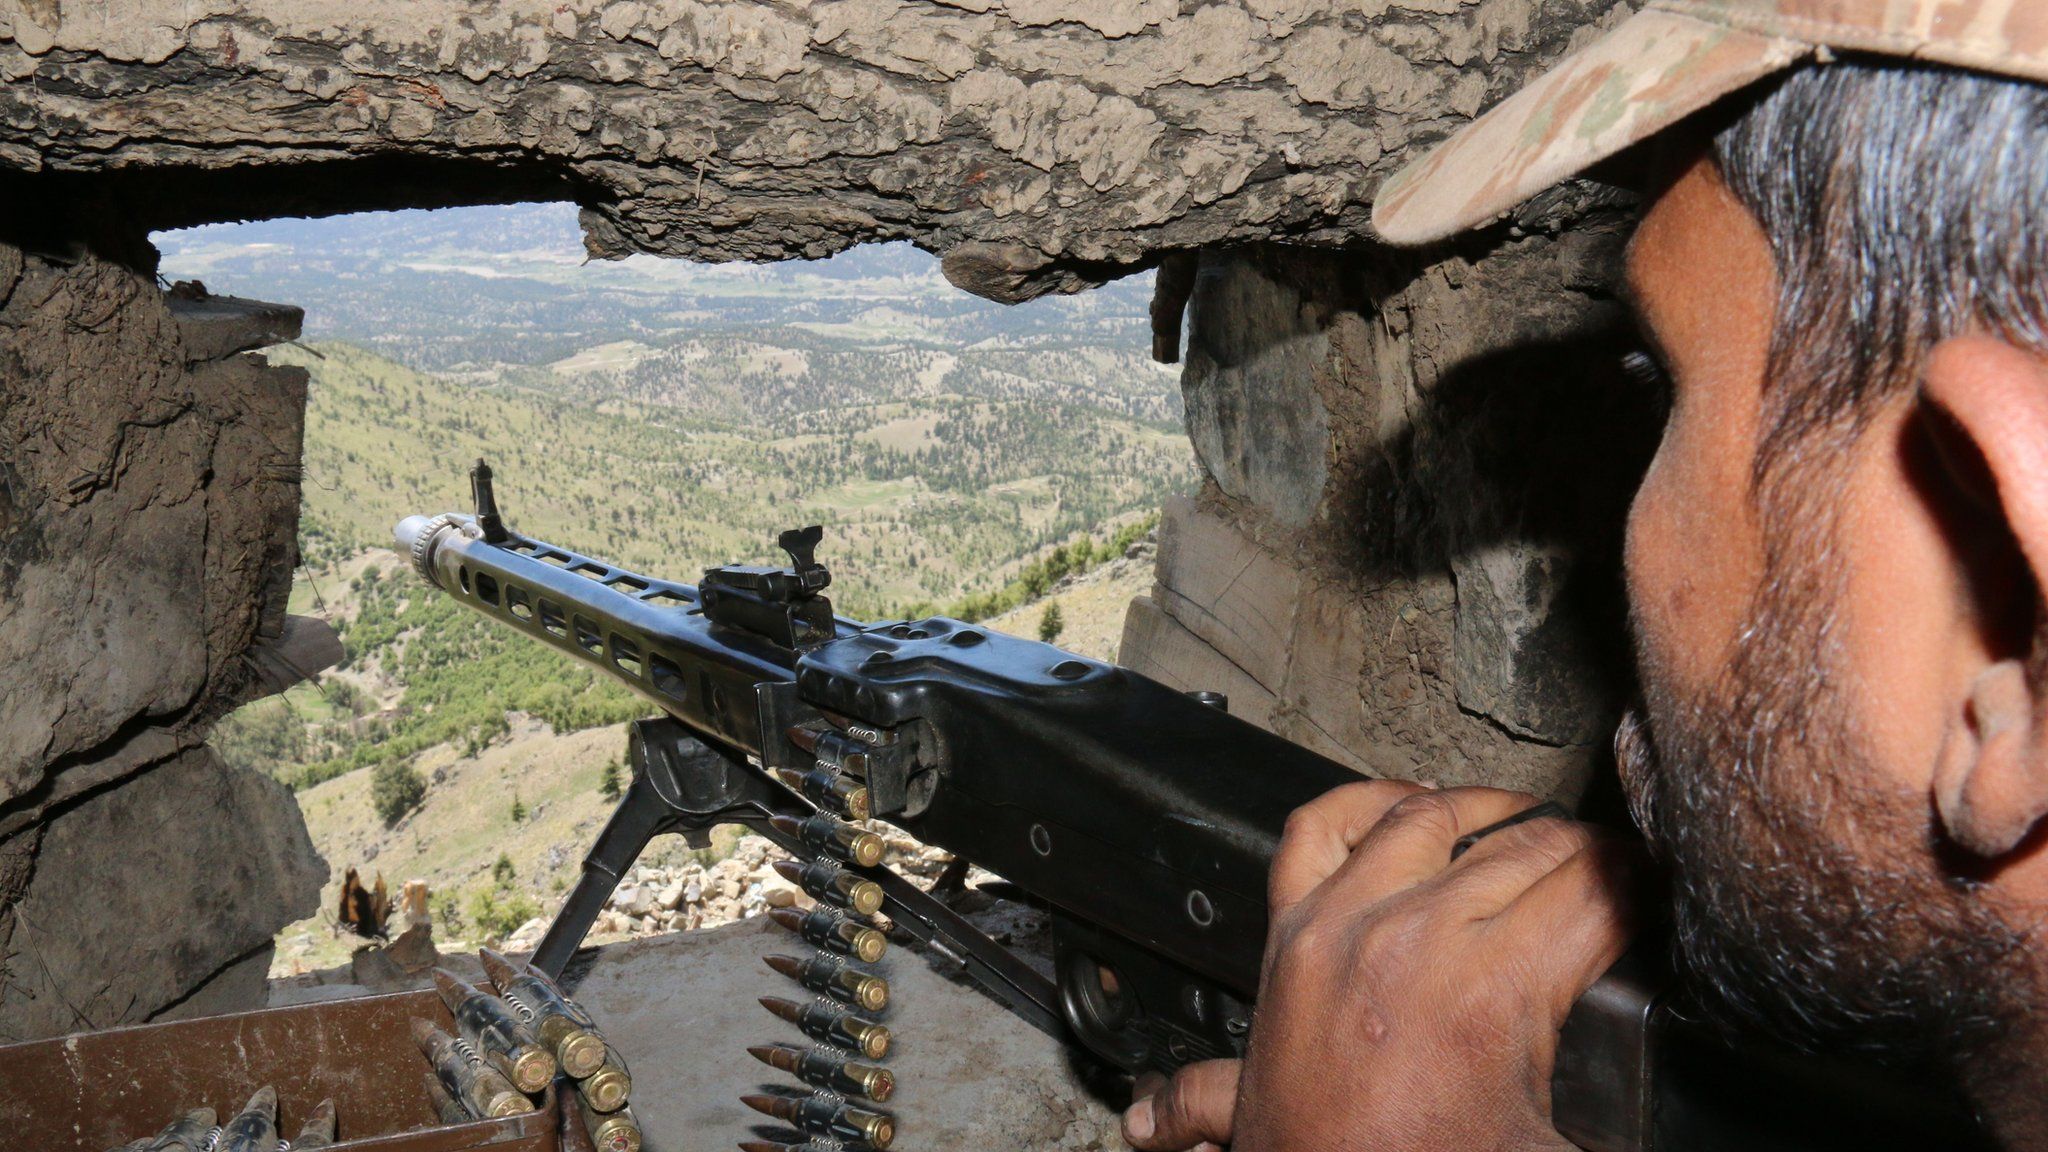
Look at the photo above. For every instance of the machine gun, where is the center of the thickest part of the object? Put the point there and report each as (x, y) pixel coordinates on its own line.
(1144, 818)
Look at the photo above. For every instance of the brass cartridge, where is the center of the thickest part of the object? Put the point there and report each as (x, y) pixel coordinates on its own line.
(496, 1033)
(828, 1115)
(482, 1089)
(835, 977)
(559, 1023)
(828, 1069)
(617, 1132)
(830, 928)
(833, 791)
(826, 880)
(606, 1089)
(824, 832)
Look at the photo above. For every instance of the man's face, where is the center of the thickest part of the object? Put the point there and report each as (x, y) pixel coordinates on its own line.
(1796, 657)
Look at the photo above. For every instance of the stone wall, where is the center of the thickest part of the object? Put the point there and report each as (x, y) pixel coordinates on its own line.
(148, 503)
(1406, 550)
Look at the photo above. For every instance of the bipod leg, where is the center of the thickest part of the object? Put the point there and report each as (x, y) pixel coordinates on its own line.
(680, 782)
(640, 816)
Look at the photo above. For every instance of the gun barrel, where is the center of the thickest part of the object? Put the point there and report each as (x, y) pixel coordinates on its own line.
(650, 634)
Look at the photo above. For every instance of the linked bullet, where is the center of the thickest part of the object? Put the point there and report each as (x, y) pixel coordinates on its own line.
(618, 1132)
(318, 1130)
(606, 1089)
(829, 928)
(828, 1115)
(824, 832)
(254, 1129)
(188, 1133)
(830, 790)
(495, 1032)
(826, 880)
(836, 978)
(482, 1089)
(831, 1070)
(833, 1024)
(806, 1146)
(446, 1108)
(558, 1022)
(835, 750)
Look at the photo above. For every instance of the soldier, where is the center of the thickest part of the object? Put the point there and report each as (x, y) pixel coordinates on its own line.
(1835, 569)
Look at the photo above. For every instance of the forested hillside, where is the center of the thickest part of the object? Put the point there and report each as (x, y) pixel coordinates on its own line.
(927, 493)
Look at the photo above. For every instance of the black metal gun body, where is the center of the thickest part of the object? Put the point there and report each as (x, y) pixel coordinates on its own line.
(1145, 818)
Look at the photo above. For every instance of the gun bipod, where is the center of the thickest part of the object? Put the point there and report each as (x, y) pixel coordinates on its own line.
(677, 788)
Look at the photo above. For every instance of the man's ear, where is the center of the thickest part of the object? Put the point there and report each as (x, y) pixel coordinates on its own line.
(1991, 434)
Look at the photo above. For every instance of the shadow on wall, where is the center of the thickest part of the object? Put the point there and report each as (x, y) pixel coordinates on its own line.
(1516, 475)
(1450, 429)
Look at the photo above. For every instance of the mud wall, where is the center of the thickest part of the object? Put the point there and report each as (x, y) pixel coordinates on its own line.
(1406, 551)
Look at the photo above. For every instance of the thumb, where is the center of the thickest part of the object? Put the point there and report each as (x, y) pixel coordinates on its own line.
(1197, 1106)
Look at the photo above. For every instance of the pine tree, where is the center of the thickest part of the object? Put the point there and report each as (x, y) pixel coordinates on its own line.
(608, 781)
(518, 809)
(1052, 623)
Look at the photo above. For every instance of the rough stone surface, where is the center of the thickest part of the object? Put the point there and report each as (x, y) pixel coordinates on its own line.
(148, 503)
(1444, 570)
(970, 1075)
(1040, 144)
(193, 865)
(147, 509)
(1262, 436)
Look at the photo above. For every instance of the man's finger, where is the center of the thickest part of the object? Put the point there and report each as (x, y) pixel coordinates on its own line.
(1582, 913)
(1197, 1106)
(1502, 866)
(1321, 834)
(1412, 841)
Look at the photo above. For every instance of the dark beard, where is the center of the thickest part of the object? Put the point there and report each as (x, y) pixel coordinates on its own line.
(1809, 895)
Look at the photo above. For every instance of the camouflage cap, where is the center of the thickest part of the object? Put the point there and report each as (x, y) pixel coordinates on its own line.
(1666, 62)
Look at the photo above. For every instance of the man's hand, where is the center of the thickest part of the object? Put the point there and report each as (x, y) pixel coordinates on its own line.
(1408, 1001)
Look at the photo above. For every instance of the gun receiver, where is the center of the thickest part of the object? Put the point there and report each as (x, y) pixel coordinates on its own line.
(1145, 818)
